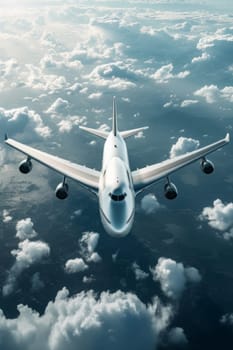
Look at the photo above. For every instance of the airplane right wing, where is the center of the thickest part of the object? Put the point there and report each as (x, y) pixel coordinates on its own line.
(146, 176)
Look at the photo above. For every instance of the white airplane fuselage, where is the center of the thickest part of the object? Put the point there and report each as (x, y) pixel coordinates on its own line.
(116, 192)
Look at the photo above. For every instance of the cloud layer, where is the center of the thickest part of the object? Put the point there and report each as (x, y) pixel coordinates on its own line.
(117, 320)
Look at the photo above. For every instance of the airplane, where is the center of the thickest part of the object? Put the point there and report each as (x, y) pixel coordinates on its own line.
(116, 186)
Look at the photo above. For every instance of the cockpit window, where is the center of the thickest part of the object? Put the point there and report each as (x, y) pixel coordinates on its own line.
(117, 198)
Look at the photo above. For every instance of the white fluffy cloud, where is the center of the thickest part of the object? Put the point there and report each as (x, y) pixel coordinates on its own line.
(209, 40)
(173, 276)
(66, 125)
(139, 273)
(27, 254)
(88, 244)
(24, 229)
(23, 120)
(219, 216)
(116, 321)
(204, 57)
(75, 265)
(6, 217)
(163, 74)
(58, 107)
(212, 94)
(183, 145)
(150, 204)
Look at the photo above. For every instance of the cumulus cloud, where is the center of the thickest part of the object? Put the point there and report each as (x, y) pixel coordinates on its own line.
(23, 120)
(24, 229)
(163, 74)
(139, 273)
(183, 145)
(85, 321)
(219, 217)
(173, 277)
(95, 96)
(209, 40)
(6, 217)
(212, 94)
(88, 244)
(150, 204)
(58, 107)
(204, 57)
(75, 265)
(27, 254)
(35, 78)
(66, 125)
(117, 75)
(177, 337)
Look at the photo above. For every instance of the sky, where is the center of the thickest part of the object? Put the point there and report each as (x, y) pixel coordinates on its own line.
(64, 282)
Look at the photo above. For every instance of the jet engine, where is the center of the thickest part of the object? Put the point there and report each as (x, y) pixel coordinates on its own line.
(25, 166)
(170, 191)
(207, 166)
(62, 190)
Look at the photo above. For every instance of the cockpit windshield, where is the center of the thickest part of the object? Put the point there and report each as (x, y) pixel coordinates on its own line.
(117, 198)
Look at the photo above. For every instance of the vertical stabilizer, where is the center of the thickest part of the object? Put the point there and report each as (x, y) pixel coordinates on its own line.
(114, 117)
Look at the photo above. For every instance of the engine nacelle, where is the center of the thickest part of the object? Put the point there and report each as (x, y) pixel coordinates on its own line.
(207, 166)
(170, 191)
(62, 190)
(25, 166)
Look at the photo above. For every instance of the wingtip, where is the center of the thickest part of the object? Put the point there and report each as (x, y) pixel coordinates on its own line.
(227, 138)
(6, 137)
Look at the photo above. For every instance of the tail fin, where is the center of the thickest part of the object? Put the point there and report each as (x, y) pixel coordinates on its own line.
(114, 117)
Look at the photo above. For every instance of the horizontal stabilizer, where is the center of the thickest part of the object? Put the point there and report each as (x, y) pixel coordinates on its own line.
(132, 132)
(96, 132)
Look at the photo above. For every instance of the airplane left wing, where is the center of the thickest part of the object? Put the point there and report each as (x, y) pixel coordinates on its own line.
(87, 177)
(144, 177)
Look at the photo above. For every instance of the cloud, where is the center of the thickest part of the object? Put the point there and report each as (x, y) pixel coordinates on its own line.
(95, 96)
(139, 273)
(150, 204)
(37, 283)
(183, 145)
(58, 107)
(23, 120)
(204, 57)
(6, 217)
(75, 265)
(66, 125)
(34, 77)
(209, 92)
(219, 216)
(163, 74)
(114, 320)
(88, 244)
(117, 75)
(209, 40)
(27, 254)
(24, 229)
(173, 277)
(212, 94)
(177, 337)
(187, 103)
(227, 319)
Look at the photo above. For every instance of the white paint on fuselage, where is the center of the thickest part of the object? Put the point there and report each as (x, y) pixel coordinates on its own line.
(116, 181)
